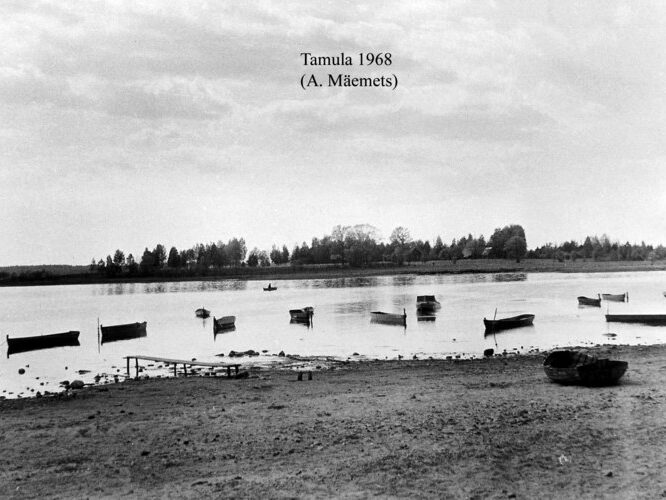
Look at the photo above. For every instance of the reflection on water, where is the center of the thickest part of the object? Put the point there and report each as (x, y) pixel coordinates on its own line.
(343, 323)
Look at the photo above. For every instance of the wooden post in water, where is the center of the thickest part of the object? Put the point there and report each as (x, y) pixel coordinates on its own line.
(137, 366)
(128, 368)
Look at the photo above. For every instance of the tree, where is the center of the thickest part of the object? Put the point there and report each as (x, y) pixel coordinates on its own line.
(501, 236)
(253, 258)
(119, 258)
(236, 251)
(147, 261)
(174, 259)
(515, 248)
(159, 256)
(132, 266)
(276, 255)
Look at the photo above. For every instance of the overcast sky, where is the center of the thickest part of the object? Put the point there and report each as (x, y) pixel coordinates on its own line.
(127, 124)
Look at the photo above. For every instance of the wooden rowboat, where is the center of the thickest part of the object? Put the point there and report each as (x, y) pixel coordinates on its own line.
(225, 323)
(36, 342)
(494, 325)
(602, 372)
(619, 297)
(202, 312)
(587, 301)
(646, 319)
(427, 304)
(303, 315)
(562, 366)
(389, 318)
(127, 331)
(575, 367)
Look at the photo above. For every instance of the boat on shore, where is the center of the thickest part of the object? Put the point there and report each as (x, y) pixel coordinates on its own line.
(587, 301)
(225, 323)
(303, 315)
(389, 318)
(576, 367)
(270, 288)
(495, 325)
(646, 319)
(427, 304)
(128, 331)
(36, 342)
(202, 312)
(616, 297)
(602, 372)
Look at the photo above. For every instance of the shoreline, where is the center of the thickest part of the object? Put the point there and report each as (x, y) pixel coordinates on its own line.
(481, 428)
(480, 266)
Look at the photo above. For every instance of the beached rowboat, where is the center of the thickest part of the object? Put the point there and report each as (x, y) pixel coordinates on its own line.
(224, 323)
(126, 331)
(575, 367)
(36, 342)
(647, 319)
(389, 318)
(619, 297)
(587, 301)
(562, 366)
(494, 325)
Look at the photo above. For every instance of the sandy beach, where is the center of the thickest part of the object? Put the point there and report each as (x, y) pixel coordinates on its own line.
(486, 428)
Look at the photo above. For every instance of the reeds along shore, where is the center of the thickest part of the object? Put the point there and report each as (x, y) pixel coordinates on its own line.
(341, 271)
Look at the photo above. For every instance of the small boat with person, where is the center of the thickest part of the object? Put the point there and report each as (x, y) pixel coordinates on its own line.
(646, 319)
(616, 297)
(37, 342)
(126, 331)
(225, 323)
(587, 301)
(303, 315)
(389, 318)
(202, 312)
(270, 288)
(427, 304)
(495, 325)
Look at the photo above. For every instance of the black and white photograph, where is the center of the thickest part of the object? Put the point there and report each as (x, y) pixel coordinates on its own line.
(318, 249)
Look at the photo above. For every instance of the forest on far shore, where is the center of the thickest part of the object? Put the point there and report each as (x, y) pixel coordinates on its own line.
(346, 247)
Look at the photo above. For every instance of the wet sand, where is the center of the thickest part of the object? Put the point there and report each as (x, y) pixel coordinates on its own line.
(492, 428)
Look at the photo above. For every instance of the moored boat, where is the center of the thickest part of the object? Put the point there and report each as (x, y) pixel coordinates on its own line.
(587, 301)
(647, 319)
(36, 342)
(126, 331)
(494, 325)
(202, 312)
(427, 304)
(303, 315)
(225, 323)
(389, 318)
(270, 288)
(616, 297)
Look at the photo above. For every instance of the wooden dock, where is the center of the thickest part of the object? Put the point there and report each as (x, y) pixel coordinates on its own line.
(176, 362)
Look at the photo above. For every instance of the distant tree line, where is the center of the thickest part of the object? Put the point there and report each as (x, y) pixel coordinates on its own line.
(360, 246)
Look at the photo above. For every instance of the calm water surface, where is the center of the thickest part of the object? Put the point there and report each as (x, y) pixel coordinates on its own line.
(341, 325)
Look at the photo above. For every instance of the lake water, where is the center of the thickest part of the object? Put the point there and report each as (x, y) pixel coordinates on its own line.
(341, 325)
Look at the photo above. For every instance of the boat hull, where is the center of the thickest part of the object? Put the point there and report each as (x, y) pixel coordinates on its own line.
(602, 372)
(587, 301)
(495, 325)
(562, 366)
(224, 324)
(37, 342)
(622, 297)
(388, 318)
(202, 313)
(646, 319)
(127, 331)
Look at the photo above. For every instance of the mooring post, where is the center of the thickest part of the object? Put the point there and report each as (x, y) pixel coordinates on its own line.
(175, 366)
(185, 369)
(128, 368)
(137, 367)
